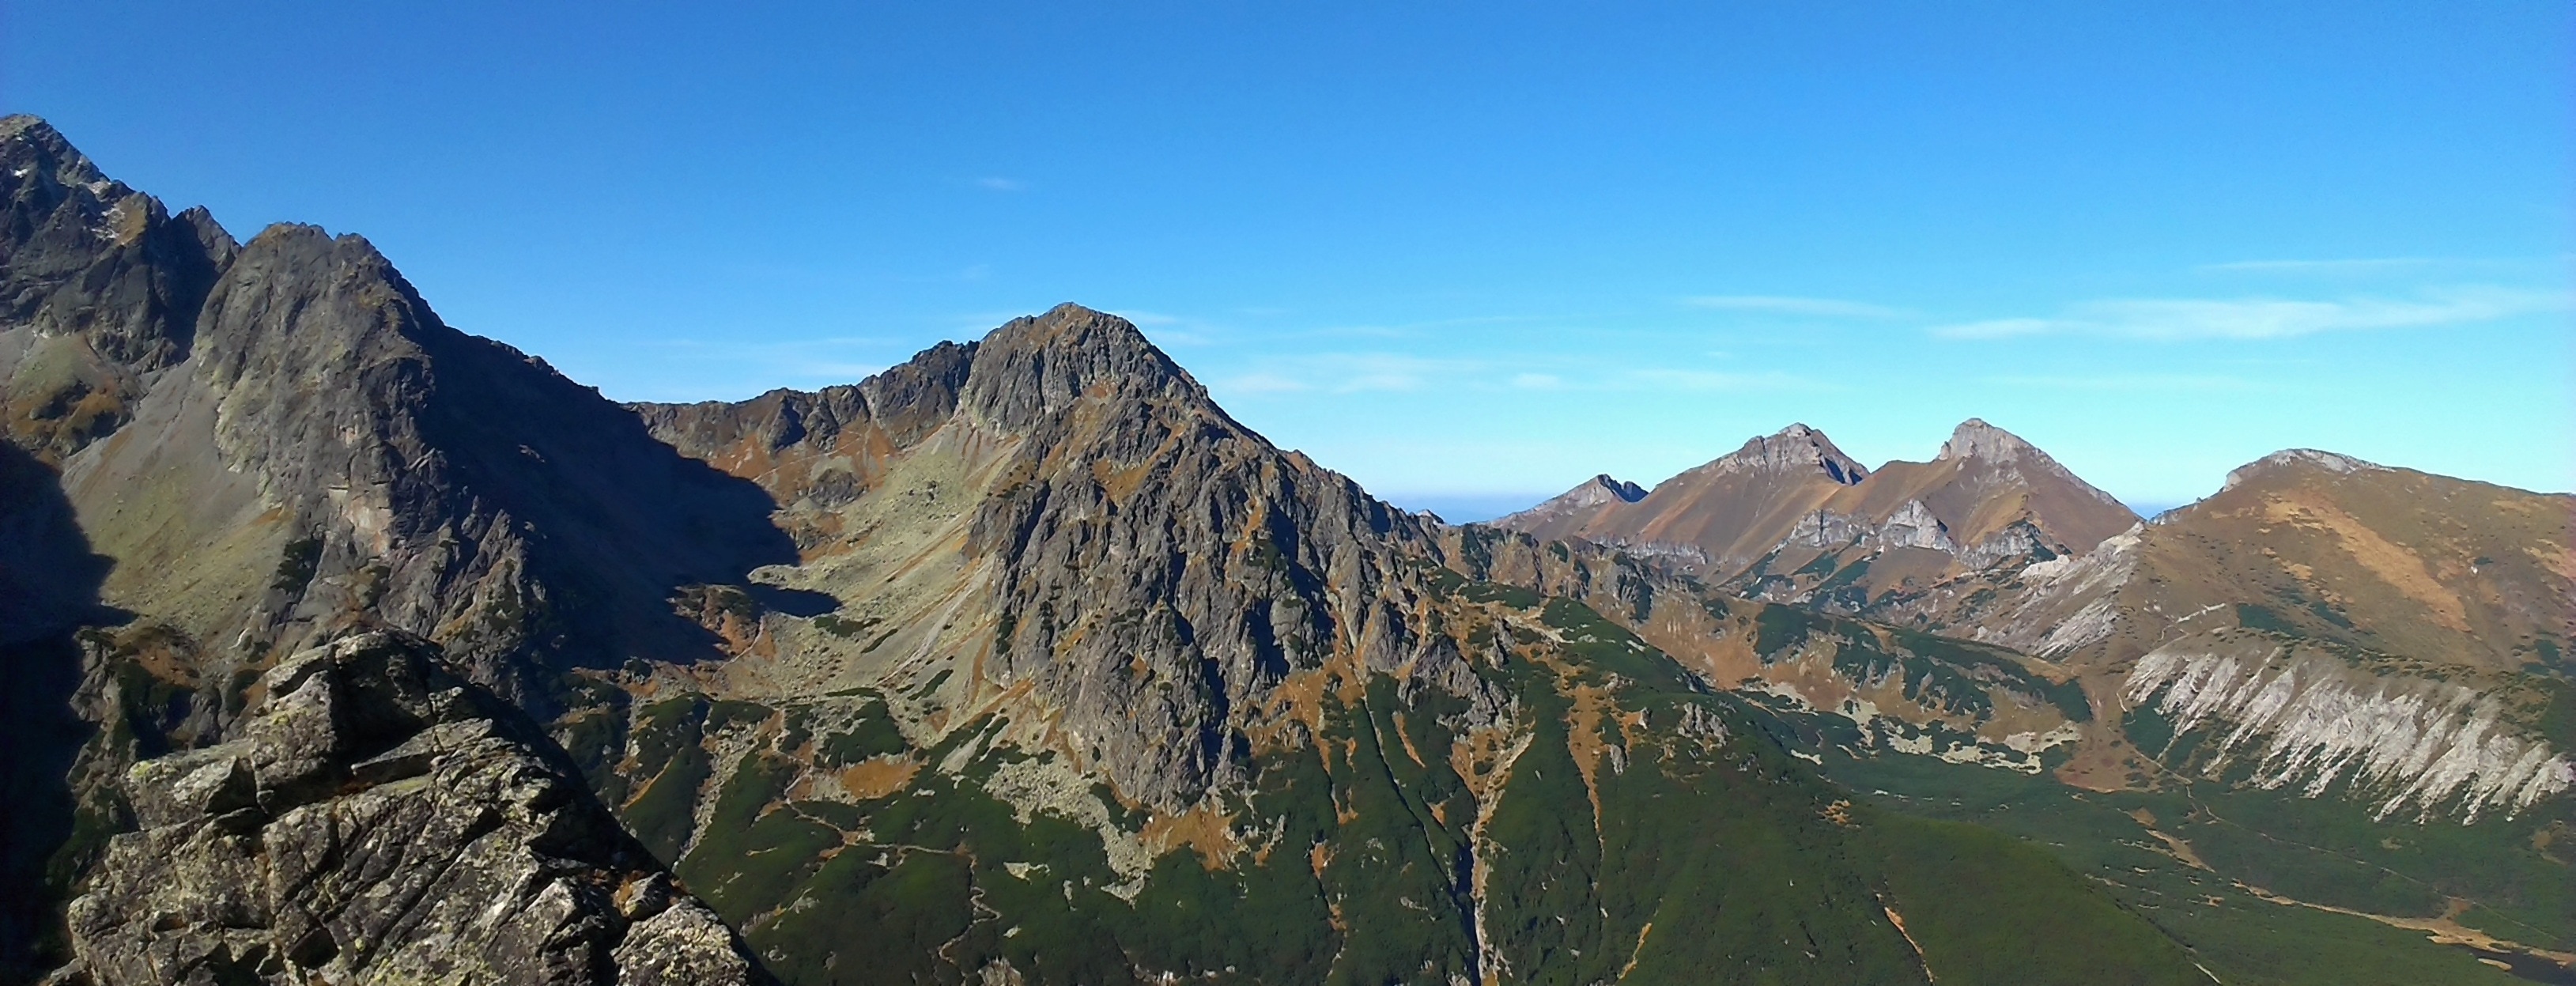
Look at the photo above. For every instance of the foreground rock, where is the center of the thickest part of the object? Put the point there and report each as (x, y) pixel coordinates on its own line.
(378, 821)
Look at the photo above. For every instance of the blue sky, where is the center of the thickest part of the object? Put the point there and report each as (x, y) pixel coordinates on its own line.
(1469, 254)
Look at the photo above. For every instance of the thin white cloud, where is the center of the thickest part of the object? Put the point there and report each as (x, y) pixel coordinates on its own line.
(1786, 305)
(1350, 373)
(1262, 383)
(2168, 319)
(2129, 383)
(1770, 380)
(1537, 381)
(996, 183)
(2350, 265)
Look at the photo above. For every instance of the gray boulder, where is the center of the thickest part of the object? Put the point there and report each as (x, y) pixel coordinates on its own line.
(380, 820)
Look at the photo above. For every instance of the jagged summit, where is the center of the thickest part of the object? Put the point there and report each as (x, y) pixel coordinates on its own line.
(1974, 438)
(1784, 501)
(1037, 366)
(1620, 488)
(29, 146)
(1791, 449)
(1601, 490)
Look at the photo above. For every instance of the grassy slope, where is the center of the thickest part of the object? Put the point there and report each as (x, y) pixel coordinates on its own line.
(2239, 937)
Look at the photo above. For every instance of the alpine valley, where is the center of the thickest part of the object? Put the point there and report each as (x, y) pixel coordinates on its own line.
(345, 647)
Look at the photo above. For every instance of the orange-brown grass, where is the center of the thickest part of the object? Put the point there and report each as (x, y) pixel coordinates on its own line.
(879, 776)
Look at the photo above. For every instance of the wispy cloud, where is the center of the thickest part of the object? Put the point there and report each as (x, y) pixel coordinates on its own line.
(1356, 372)
(996, 183)
(2265, 318)
(1786, 305)
(1262, 383)
(2129, 382)
(1537, 381)
(2350, 265)
(1769, 380)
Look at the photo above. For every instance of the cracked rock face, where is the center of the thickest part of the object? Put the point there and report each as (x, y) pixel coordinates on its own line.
(379, 820)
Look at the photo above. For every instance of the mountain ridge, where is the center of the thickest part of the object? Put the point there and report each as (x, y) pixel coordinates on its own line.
(1021, 661)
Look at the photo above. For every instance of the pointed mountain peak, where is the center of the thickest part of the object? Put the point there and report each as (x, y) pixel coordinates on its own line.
(29, 147)
(1626, 491)
(1793, 449)
(1040, 365)
(2300, 458)
(1975, 439)
(1599, 491)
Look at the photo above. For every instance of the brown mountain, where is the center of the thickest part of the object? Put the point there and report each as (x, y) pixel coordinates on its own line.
(1790, 517)
(1734, 509)
(2398, 631)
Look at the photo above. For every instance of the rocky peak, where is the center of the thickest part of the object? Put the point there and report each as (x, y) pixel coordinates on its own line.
(1796, 448)
(1623, 490)
(1976, 439)
(33, 153)
(1035, 368)
(1599, 491)
(2299, 458)
(100, 283)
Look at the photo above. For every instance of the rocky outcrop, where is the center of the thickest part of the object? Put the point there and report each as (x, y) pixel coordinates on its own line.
(2313, 724)
(378, 819)
(2295, 459)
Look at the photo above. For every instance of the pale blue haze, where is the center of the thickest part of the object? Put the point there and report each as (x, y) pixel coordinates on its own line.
(1469, 254)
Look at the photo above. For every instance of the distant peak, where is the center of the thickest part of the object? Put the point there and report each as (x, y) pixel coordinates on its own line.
(1975, 439)
(2295, 458)
(1792, 449)
(1626, 491)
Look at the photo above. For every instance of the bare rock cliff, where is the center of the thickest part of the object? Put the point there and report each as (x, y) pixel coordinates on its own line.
(379, 819)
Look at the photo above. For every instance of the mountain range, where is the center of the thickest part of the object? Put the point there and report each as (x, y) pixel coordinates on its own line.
(346, 646)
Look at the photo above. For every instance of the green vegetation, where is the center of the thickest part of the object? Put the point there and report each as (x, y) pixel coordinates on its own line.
(669, 749)
(1986, 908)
(2238, 936)
(843, 627)
(1508, 595)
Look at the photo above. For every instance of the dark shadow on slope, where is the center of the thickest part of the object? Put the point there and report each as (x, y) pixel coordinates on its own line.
(49, 584)
(622, 520)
